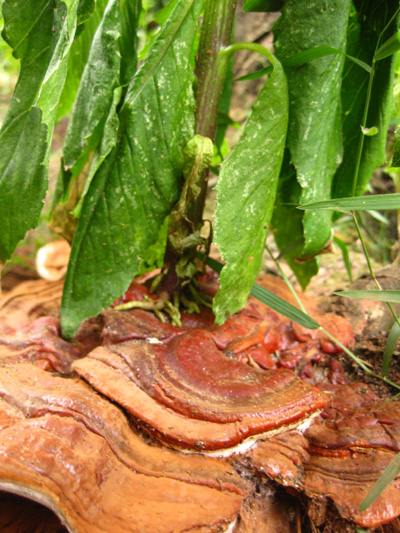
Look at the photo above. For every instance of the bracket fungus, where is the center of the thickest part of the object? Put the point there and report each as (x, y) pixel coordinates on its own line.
(340, 455)
(84, 425)
(64, 446)
(193, 396)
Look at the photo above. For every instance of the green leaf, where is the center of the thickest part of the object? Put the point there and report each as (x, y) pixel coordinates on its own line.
(376, 295)
(78, 58)
(365, 26)
(262, 5)
(388, 48)
(361, 203)
(138, 182)
(390, 346)
(85, 10)
(41, 35)
(94, 122)
(287, 224)
(314, 95)
(245, 194)
(369, 132)
(346, 257)
(391, 472)
(96, 99)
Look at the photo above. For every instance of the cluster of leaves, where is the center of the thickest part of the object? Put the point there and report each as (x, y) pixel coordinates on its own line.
(122, 161)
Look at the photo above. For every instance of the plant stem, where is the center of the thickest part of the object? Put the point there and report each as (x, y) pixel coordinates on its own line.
(210, 72)
(216, 32)
(371, 270)
(286, 279)
(215, 35)
(363, 124)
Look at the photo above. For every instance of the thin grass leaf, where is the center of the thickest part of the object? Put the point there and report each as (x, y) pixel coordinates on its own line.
(309, 55)
(376, 295)
(378, 216)
(282, 307)
(391, 472)
(257, 74)
(271, 300)
(363, 203)
(391, 343)
(345, 255)
(301, 59)
(388, 48)
(360, 63)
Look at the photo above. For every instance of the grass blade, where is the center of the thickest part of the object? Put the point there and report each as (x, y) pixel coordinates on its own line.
(388, 48)
(390, 346)
(345, 254)
(360, 63)
(362, 203)
(257, 74)
(391, 472)
(376, 295)
(270, 299)
(309, 55)
(282, 307)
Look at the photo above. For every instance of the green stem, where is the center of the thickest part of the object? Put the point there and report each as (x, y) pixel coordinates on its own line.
(225, 54)
(371, 270)
(286, 279)
(215, 35)
(216, 32)
(363, 124)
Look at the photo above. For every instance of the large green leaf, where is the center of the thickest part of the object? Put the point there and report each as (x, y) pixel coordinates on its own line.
(246, 192)
(287, 224)
(78, 57)
(314, 94)
(365, 26)
(41, 35)
(94, 122)
(138, 183)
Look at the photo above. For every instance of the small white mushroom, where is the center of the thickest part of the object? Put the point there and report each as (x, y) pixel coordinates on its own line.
(52, 260)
